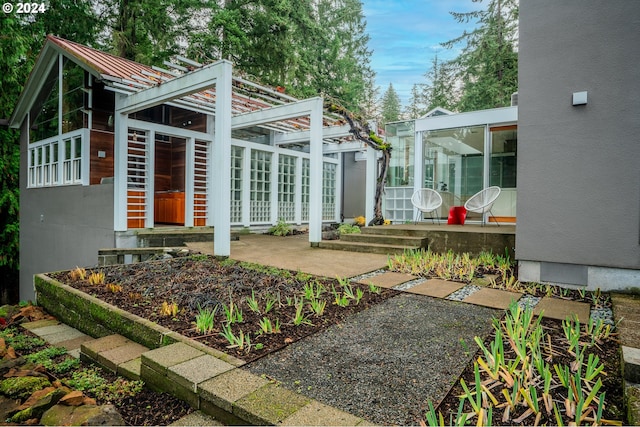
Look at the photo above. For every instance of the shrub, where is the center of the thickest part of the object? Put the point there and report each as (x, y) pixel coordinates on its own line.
(280, 229)
(348, 229)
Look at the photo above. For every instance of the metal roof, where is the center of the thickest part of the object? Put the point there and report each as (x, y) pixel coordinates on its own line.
(126, 76)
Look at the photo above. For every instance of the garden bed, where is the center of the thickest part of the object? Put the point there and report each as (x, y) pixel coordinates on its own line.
(242, 309)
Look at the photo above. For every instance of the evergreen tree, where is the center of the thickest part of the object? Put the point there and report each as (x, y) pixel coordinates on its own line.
(148, 31)
(488, 64)
(416, 106)
(17, 45)
(440, 89)
(391, 106)
(309, 47)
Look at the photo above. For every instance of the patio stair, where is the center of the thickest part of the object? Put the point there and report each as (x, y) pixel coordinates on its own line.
(379, 240)
(175, 236)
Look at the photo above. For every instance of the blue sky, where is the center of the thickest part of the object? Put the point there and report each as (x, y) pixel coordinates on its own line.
(405, 35)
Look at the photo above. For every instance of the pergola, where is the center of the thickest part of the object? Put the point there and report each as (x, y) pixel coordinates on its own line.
(231, 103)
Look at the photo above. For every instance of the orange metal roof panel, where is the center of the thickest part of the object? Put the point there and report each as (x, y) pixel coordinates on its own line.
(103, 62)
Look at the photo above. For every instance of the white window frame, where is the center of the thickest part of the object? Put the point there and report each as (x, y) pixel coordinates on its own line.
(58, 170)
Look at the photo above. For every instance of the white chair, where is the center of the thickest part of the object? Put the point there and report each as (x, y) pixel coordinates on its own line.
(426, 200)
(482, 201)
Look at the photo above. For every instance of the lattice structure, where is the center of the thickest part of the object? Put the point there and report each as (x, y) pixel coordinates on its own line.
(237, 158)
(305, 189)
(286, 187)
(260, 186)
(329, 191)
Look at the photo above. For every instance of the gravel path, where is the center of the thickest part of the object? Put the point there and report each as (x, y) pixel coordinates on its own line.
(385, 362)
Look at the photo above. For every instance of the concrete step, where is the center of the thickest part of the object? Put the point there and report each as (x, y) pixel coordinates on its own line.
(160, 237)
(393, 231)
(385, 239)
(374, 248)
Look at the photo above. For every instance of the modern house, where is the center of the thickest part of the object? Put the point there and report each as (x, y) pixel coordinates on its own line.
(568, 152)
(110, 146)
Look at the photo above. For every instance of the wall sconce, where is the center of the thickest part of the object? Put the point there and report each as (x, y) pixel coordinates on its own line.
(580, 98)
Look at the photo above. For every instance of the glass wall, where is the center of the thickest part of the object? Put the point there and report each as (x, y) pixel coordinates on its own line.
(401, 136)
(454, 162)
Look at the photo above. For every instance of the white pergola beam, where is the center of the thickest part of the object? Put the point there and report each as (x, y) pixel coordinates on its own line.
(274, 114)
(182, 86)
(304, 136)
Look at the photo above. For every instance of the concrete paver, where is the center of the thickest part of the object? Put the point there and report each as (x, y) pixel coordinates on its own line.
(192, 372)
(92, 348)
(269, 405)
(318, 414)
(66, 335)
(388, 279)
(560, 309)
(631, 365)
(114, 357)
(494, 298)
(162, 358)
(197, 418)
(229, 387)
(39, 324)
(436, 288)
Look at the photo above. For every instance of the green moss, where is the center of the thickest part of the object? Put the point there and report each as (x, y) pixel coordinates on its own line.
(22, 387)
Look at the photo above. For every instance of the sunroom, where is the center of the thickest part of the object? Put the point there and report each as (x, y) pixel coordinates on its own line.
(457, 155)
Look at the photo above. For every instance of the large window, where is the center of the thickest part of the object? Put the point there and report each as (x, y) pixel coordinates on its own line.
(454, 161)
(58, 160)
(504, 141)
(401, 136)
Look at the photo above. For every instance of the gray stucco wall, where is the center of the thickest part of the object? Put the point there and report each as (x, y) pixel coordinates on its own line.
(579, 166)
(353, 183)
(61, 227)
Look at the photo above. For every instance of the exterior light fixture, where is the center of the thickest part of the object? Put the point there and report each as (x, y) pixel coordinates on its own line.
(580, 98)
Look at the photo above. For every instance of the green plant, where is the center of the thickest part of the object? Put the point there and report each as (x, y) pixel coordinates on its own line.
(348, 229)
(68, 364)
(252, 302)
(205, 319)
(45, 357)
(92, 381)
(232, 313)
(269, 303)
(268, 327)
(280, 229)
(13, 338)
(318, 306)
(300, 317)
(374, 289)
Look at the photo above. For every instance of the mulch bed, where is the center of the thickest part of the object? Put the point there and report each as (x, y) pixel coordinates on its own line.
(201, 282)
(607, 351)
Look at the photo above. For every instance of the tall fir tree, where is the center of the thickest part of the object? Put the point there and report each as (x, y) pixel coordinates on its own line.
(21, 38)
(391, 105)
(416, 106)
(440, 88)
(488, 64)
